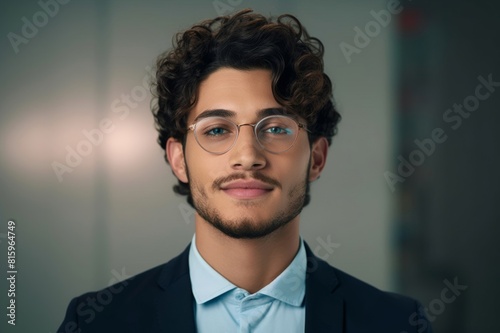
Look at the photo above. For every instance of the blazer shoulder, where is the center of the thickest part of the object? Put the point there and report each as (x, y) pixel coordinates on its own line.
(358, 305)
(354, 288)
(365, 303)
(351, 288)
(134, 298)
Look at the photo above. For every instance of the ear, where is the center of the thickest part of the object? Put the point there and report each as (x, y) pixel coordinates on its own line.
(319, 151)
(175, 156)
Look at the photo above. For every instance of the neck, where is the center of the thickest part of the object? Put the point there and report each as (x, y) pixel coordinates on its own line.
(250, 264)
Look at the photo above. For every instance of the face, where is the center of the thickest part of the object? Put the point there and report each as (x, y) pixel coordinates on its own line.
(246, 192)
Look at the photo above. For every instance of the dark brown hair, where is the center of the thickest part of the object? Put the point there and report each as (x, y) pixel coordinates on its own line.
(245, 40)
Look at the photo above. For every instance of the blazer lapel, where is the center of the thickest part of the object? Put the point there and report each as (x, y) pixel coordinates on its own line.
(175, 310)
(324, 307)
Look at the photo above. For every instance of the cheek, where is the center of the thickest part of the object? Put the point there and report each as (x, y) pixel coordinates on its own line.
(193, 155)
(301, 160)
(204, 168)
(292, 171)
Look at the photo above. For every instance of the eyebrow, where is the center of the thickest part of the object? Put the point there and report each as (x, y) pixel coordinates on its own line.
(229, 113)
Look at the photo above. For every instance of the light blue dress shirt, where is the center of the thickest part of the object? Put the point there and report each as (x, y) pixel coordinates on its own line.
(222, 307)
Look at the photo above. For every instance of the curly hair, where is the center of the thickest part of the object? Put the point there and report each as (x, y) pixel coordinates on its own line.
(245, 40)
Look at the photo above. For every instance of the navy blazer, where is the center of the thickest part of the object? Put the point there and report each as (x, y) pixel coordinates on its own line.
(161, 300)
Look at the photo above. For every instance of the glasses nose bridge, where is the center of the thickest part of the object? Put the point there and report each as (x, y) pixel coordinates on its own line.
(253, 126)
(247, 124)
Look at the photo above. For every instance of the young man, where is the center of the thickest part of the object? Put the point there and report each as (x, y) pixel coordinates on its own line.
(245, 115)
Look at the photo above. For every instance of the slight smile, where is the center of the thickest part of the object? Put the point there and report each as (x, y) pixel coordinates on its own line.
(246, 189)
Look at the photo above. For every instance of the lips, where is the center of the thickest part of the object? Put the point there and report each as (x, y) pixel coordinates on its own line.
(246, 189)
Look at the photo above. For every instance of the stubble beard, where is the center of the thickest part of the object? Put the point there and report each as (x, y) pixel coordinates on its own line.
(246, 228)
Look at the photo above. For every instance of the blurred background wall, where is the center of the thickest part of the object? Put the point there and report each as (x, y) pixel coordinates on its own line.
(447, 225)
(85, 222)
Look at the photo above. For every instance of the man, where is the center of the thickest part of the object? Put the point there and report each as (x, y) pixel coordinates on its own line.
(245, 115)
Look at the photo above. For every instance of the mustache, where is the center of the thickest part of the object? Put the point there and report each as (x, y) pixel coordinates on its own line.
(255, 175)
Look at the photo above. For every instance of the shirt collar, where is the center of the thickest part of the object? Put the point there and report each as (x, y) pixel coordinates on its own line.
(206, 282)
(288, 287)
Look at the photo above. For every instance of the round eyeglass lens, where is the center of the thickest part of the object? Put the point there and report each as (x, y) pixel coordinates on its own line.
(215, 134)
(277, 133)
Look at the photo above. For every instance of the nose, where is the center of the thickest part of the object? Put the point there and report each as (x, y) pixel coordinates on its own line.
(246, 153)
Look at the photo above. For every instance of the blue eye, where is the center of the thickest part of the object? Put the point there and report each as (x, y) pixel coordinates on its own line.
(216, 131)
(278, 130)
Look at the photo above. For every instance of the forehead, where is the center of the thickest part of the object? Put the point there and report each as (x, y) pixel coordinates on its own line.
(244, 92)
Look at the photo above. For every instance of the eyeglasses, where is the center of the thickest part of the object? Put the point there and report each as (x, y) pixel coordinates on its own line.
(217, 135)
